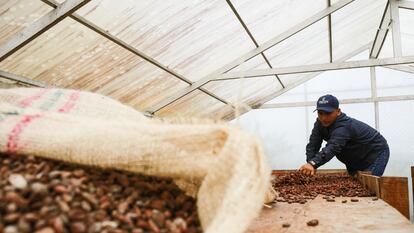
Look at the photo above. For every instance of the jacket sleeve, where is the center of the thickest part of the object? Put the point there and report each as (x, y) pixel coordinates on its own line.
(339, 138)
(315, 142)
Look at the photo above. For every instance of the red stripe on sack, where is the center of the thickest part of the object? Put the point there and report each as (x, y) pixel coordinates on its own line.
(28, 101)
(70, 103)
(14, 135)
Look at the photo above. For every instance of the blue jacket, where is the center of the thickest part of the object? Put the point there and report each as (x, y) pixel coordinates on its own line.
(353, 142)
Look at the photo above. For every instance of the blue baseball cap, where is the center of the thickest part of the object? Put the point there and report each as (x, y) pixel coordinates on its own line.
(327, 103)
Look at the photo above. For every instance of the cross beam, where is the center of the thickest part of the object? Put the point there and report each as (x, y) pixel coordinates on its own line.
(344, 101)
(276, 40)
(252, 38)
(406, 4)
(39, 27)
(129, 47)
(318, 67)
(381, 32)
(299, 82)
(21, 79)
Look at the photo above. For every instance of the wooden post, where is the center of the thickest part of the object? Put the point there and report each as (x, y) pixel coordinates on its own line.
(412, 182)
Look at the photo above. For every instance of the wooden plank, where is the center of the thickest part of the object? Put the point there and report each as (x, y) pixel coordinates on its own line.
(394, 191)
(366, 215)
(280, 172)
(370, 182)
(412, 181)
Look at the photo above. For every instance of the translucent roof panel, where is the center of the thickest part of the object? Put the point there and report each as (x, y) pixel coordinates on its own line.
(246, 91)
(256, 62)
(195, 104)
(268, 18)
(310, 46)
(191, 37)
(387, 49)
(17, 14)
(355, 25)
(72, 56)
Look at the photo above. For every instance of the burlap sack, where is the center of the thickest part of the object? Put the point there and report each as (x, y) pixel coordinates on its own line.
(223, 167)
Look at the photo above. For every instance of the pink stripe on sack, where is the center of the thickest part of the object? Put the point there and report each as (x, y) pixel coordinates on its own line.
(14, 135)
(70, 103)
(28, 101)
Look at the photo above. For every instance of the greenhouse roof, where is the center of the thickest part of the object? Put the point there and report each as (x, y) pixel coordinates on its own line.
(197, 58)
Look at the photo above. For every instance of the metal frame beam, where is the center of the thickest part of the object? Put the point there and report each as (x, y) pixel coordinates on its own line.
(407, 69)
(330, 33)
(344, 101)
(128, 47)
(373, 76)
(396, 32)
(287, 34)
(251, 37)
(318, 67)
(21, 79)
(39, 27)
(406, 4)
(299, 82)
(381, 33)
(310, 76)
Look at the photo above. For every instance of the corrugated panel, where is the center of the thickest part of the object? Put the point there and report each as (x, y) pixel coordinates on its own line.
(195, 104)
(268, 18)
(256, 62)
(191, 37)
(17, 14)
(247, 91)
(72, 56)
(355, 25)
(310, 46)
(262, 19)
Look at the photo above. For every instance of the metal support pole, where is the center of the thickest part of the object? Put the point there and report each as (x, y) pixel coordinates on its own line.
(396, 33)
(330, 33)
(374, 95)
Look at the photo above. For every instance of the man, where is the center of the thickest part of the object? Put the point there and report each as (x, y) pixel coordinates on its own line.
(359, 146)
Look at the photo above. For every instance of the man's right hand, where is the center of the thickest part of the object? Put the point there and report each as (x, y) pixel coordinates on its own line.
(307, 169)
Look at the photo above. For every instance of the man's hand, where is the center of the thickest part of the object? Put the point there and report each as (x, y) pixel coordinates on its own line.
(307, 169)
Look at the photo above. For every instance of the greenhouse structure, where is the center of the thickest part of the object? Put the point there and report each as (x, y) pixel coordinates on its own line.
(206, 116)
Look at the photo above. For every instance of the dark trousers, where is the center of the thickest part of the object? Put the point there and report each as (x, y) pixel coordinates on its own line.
(378, 167)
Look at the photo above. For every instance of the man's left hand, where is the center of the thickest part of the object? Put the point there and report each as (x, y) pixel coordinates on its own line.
(307, 169)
